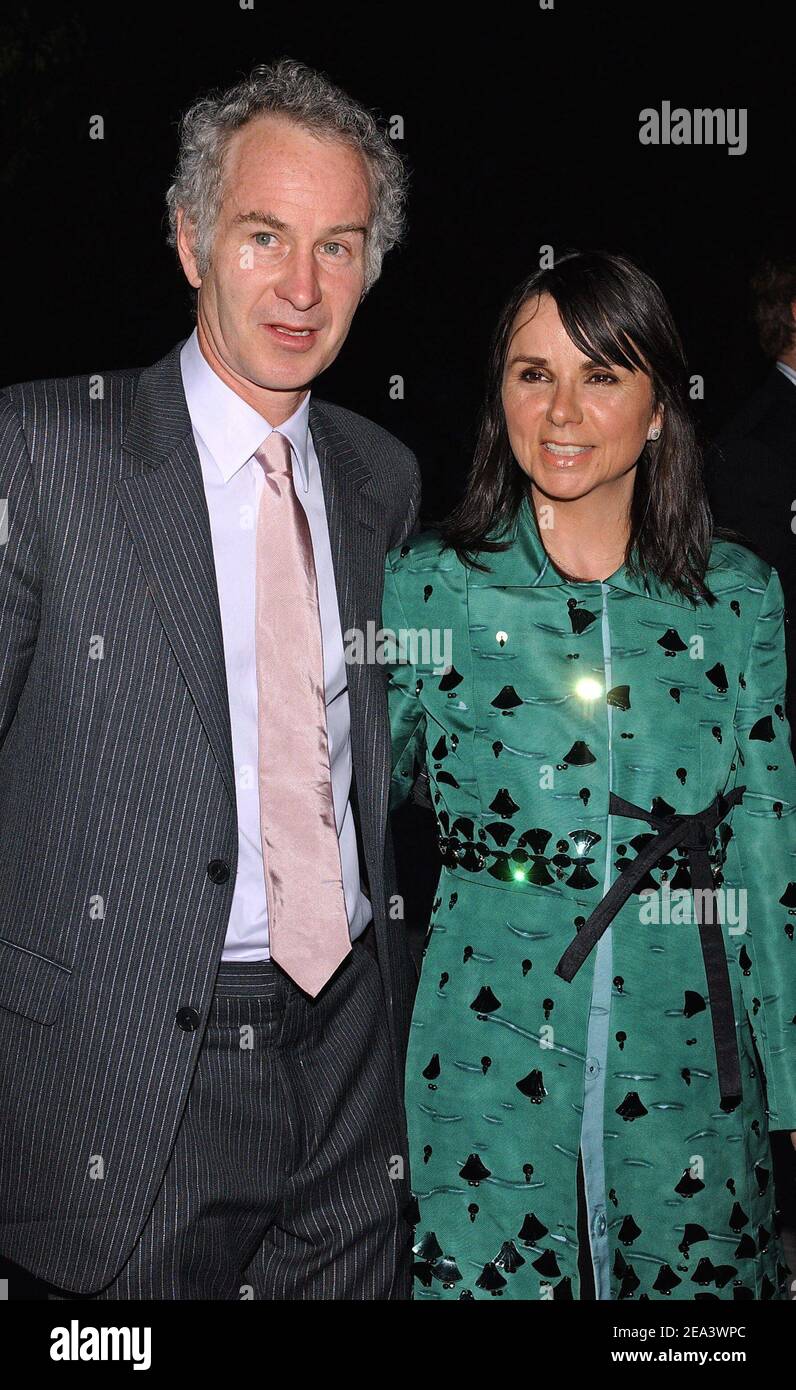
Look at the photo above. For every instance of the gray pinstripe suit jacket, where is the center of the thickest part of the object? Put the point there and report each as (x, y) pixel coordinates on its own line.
(117, 787)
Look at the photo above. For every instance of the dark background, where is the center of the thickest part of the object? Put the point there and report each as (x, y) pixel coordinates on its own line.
(521, 130)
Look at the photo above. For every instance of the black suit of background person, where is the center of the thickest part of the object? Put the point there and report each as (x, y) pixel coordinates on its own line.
(751, 478)
(751, 468)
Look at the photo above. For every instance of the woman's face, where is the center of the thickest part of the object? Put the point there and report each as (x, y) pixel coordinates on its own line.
(573, 426)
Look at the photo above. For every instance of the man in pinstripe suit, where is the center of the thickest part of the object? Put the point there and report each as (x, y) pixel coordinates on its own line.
(183, 1117)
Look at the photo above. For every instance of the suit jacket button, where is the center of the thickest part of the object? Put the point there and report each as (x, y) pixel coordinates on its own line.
(218, 870)
(187, 1019)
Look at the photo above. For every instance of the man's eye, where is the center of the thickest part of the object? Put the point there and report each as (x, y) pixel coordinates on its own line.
(257, 235)
(337, 245)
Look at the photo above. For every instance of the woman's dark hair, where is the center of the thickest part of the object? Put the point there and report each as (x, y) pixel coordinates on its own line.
(618, 316)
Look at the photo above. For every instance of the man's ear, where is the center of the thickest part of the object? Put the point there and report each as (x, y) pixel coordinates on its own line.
(186, 240)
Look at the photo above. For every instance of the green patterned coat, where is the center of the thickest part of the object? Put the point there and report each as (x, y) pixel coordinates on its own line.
(559, 693)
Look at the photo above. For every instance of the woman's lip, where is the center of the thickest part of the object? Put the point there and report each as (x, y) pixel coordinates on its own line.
(566, 460)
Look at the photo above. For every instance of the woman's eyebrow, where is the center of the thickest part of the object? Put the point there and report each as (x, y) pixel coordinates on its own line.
(585, 365)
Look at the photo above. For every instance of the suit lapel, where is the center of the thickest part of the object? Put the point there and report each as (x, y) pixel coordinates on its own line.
(358, 537)
(355, 520)
(164, 504)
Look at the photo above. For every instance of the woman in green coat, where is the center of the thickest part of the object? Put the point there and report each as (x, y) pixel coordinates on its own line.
(605, 1025)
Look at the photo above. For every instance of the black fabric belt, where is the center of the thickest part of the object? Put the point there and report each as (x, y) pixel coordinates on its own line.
(693, 834)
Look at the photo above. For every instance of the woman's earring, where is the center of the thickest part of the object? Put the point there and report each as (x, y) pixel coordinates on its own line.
(654, 434)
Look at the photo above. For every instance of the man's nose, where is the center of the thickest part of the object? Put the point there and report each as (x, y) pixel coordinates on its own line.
(298, 282)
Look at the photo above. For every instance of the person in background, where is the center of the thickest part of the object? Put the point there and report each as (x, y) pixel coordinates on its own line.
(751, 467)
(751, 482)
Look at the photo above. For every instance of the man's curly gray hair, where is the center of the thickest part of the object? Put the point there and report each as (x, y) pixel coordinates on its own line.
(287, 88)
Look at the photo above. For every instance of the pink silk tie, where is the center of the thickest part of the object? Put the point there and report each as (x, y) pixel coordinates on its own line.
(307, 918)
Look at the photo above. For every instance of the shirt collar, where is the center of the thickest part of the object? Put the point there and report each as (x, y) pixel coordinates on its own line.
(231, 429)
(526, 563)
(787, 371)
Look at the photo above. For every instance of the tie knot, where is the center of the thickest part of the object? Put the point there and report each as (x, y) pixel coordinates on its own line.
(274, 454)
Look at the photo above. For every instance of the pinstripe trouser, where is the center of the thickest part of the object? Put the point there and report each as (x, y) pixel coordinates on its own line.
(281, 1183)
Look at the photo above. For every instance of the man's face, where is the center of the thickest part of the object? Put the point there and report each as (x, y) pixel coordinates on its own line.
(288, 253)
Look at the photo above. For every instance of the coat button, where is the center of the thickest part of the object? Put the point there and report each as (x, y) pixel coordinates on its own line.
(187, 1019)
(218, 870)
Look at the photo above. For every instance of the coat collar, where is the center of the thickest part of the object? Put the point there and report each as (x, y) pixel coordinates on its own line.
(526, 564)
(161, 423)
(230, 428)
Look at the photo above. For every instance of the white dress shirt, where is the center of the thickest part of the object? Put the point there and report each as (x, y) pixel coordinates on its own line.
(787, 371)
(227, 433)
